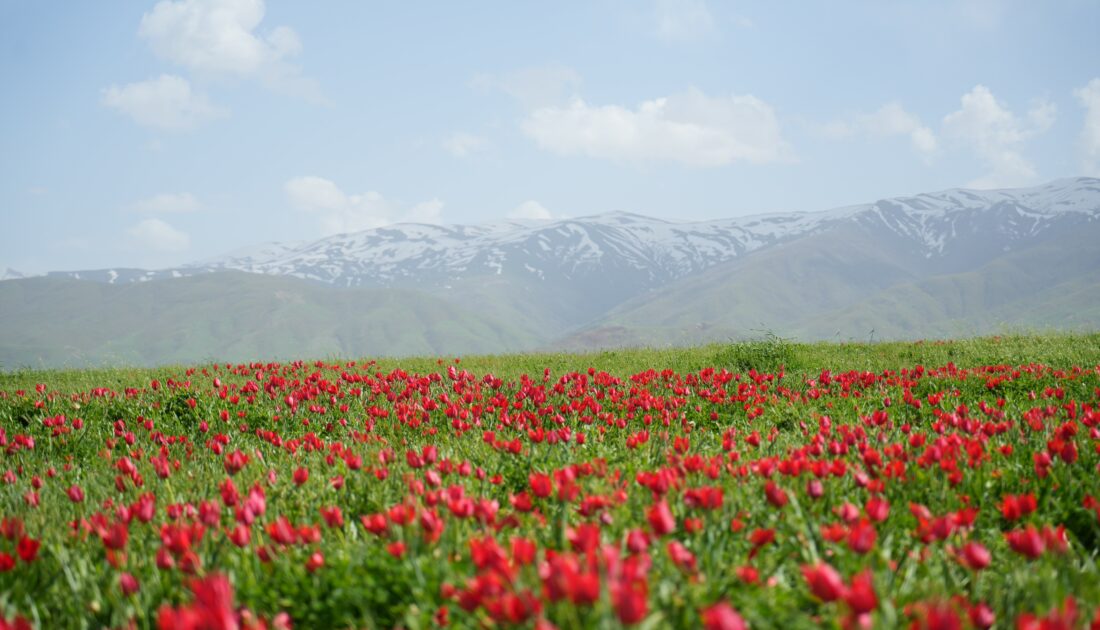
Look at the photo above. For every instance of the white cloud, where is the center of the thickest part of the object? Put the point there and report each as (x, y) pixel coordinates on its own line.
(682, 20)
(997, 135)
(1089, 96)
(691, 128)
(340, 212)
(158, 236)
(167, 203)
(888, 121)
(166, 102)
(892, 120)
(535, 86)
(220, 38)
(462, 144)
(530, 210)
(216, 36)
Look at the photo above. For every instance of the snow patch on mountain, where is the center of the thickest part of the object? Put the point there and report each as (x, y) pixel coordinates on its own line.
(618, 243)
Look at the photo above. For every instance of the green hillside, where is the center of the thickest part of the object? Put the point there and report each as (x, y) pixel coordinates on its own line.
(1052, 285)
(849, 285)
(233, 317)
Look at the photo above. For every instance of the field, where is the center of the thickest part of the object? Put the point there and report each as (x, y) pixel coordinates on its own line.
(766, 484)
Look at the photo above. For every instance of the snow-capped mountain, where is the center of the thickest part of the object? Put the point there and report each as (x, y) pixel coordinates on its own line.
(646, 252)
(11, 274)
(948, 264)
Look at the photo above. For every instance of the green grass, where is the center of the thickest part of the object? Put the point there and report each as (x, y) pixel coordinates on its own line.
(361, 585)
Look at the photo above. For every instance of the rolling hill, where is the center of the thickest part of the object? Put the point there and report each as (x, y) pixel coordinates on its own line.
(230, 316)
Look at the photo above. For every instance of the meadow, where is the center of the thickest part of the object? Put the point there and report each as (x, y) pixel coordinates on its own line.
(766, 484)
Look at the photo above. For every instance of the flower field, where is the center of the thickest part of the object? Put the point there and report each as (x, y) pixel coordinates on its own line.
(862, 486)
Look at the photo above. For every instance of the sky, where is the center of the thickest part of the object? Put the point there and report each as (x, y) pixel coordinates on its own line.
(151, 134)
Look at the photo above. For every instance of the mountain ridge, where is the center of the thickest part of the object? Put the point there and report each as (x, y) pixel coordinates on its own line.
(906, 266)
(669, 249)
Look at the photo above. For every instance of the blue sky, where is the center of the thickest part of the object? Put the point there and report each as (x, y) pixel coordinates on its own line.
(157, 133)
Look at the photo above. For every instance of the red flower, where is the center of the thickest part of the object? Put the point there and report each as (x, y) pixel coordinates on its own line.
(637, 541)
(523, 551)
(334, 518)
(860, 596)
(975, 556)
(1015, 507)
(981, 616)
(1026, 542)
(375, 523)
(939, 616)
(776, 496)
(212, 607)
(76, 494)
(722, 616)
(28, 549)
(824, 582)
(235, 461)
(761, 537)
(1055, 538)
(116, 536)
(660, 519)
(681, 557)
(877, 509)
(748, 574)
(240, 535)
(862, 536)
(815, 489)
(301, 475)
(584, 538)
(631, 601)
(315, 561)
(431, 525)
(541, 485)
(128, 583)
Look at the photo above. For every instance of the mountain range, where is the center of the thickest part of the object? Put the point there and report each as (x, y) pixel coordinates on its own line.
(952, 263)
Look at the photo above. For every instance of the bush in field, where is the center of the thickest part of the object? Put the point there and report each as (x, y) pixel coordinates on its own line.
(767, 354)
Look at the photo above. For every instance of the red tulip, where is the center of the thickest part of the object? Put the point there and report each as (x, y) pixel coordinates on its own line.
(1026, 542)
(301, 475)
(860, 596)
(975, 556)
(660, 519)
(681, 557)
(541, 486)
(630, 600)
(877, 508)
(128, 583)
(334, 518)
(1014, 507)
(824, 582)
(722, 616)
(981, 616)
(27, 549)
(776, 496)
(815, 489)
(862, 536)
(315, 561)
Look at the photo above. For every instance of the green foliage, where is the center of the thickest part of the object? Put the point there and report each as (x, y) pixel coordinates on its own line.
(767, 354)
